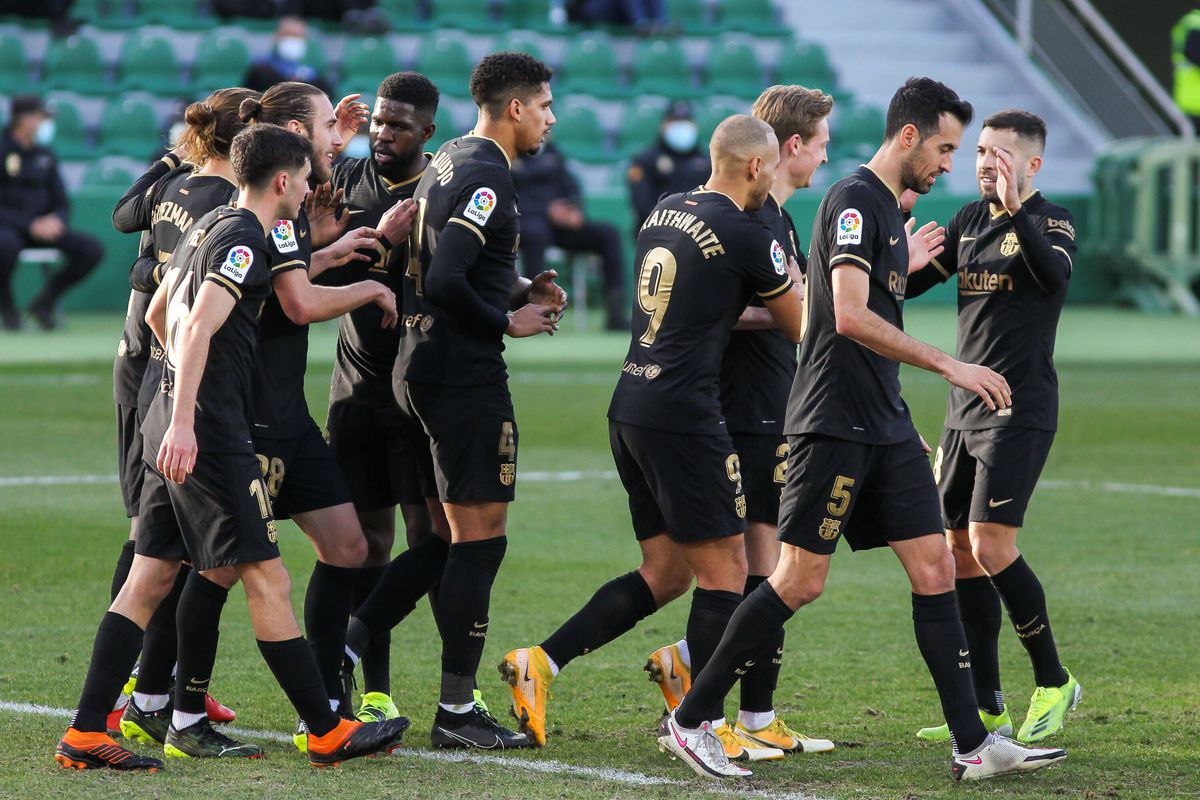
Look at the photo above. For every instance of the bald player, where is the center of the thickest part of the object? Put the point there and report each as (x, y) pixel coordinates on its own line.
(700, 259)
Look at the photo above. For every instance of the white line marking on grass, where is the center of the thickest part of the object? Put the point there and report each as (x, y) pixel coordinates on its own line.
(547, 766)
(568, 476)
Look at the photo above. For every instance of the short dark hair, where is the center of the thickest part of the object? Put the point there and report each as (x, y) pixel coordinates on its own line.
(412, 88)
(282, 102)
(1026, 124)
(921, 102)
(500, 77)
(260, 152)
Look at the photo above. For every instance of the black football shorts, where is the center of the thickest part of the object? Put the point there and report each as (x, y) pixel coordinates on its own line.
(378, 457)
(130, 467)
(989, 475)
(764, 468)
(301, 473)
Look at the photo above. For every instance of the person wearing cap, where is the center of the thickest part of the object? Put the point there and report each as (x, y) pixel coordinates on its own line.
(674, 163)
(34, 212)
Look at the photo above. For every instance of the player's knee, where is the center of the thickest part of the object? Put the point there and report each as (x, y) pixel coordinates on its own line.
(935, 577)
(149, 581)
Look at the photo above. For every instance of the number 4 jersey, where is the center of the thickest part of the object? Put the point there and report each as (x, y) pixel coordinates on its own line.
(226, 247)
(701, 258)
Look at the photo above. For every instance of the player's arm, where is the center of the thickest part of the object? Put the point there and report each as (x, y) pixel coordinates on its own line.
(156, 312)
(541, 290)
(942, 260)
(1047, 255)
(304, 303)
(132, 212)
(344, 250)
(144, 274)
(755, 318)
(854, 320)
(177, 454)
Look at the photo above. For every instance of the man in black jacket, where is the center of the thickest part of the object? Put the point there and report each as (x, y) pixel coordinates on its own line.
(34, 211)
(552, 214)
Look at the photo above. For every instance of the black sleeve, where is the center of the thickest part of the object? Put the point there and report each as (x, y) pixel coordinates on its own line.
(132, 212)
(447, 287)
(940, 268)
(1048, 261)
(145, 275)
(1191, 47)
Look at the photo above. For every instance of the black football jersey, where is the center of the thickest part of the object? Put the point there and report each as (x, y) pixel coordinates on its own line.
(843, 389)
(758, 366)
(467, 184)
(1007, 319)
(225, 247)
(701, 258)
(366, 351)
(280, 408)
(176, 200)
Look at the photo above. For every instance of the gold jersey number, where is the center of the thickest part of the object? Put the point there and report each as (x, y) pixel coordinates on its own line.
(655, 279)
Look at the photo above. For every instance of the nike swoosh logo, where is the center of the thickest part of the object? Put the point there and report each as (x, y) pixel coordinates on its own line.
(977, 760)
(478, 625)
(998, 503)
(893, 240)
(749, 664)
(196, 682)
(964, 653)
(302, 234)
(966, 238)
(678, 740)
(1027, 624)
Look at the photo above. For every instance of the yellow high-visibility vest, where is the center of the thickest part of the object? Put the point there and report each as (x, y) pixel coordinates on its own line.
(1187, 74)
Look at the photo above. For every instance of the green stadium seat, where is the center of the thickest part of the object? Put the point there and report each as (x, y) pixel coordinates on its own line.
(660, 67)
(181, 14)
(857, 132)
(403, 14)
(148, 63)
(589, 67)
(221, 62)
(519, 42)
(758, 17)
(74, 63)
(530, 14)
(639, 126)
(70, 137)
(693, 16)
(711, 114)
(445, 61)
(103, 173)
(468, 15)
(365, 63)
(579, 135)
(733, 68)
(130, 128)
(445, 130)
(106, 14)
(807, 64)
(14, 66)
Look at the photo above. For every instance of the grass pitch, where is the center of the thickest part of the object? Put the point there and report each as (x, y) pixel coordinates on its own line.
(1111, 532)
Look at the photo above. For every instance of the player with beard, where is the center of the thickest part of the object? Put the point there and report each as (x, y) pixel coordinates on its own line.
(702, 257)
(857, 467)
(1012, 251)
(197, 436)
(374, 446)
(757, 370)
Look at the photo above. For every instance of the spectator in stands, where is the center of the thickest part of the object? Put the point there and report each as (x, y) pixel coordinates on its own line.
(646, 17)
(552, 214)
(285, 62)
(1185, 53)
(34, 212)
(675, 163)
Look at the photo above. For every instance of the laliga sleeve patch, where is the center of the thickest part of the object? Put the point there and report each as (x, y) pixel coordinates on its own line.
(284, 236)
(849, 227)
(778, 259)
(237, 263)
(480, 206)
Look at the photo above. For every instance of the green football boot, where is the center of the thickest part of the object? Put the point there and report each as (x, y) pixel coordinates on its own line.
(1047, 708)
(145, 726)
(376, 707)
(995, 723)
(202, 740)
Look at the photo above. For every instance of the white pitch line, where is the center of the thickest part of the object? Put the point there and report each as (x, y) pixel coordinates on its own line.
(550, 767)
(566, 476)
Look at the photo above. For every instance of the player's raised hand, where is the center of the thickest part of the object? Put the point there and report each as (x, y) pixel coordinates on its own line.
(530, 320)
(924, 244)
(177, 453)
(396, 222)
(347, 248)
(350, 114)
(544, 291)
(793, 271)
(322, 206)
(976, 378)
(385, 298)
(1006, 181)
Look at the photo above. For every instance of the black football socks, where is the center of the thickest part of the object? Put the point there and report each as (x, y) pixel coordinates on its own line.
(160, 645)
(943, 645)
(397, 592)
(292, 663)
(114, 652)
(758, 686)
(613, 610)
(1026, 602)
(707, 621)
(463, 604)
(754, 624)
(200, 619)
(327, 606)
(979, 609)
(121, 572)
(376, 662)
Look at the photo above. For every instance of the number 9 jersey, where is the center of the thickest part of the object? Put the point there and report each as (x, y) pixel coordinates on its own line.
(701, 257)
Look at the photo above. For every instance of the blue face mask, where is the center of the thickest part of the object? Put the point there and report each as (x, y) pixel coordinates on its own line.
(45, 132)
(291, 48)
(681, 135)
